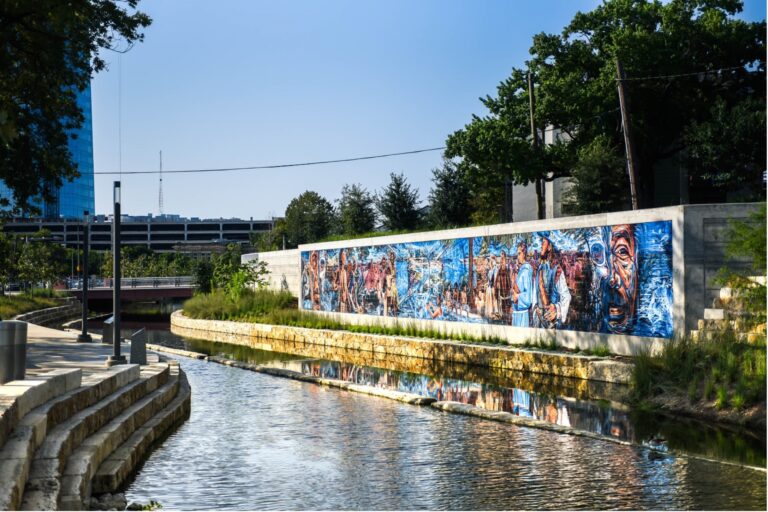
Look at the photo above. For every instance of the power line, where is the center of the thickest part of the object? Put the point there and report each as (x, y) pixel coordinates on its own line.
(680, 75)
(280, 166)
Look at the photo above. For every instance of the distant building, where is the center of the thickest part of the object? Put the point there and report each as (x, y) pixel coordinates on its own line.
(165, 233)
(72, 198)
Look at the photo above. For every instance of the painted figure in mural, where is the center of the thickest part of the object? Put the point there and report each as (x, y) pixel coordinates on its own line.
(504, 289)
(342, 284)
(490, 287)
(553, 298)
(622, 287)
(314, 280)
(435, 310)
(598, 259)
(390, 304)
(522, 291)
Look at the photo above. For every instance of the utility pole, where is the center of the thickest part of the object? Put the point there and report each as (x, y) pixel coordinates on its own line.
(160, 196)
(535, 142)
(629, 148)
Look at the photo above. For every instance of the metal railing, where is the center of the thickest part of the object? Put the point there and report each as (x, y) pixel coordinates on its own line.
(95, 283)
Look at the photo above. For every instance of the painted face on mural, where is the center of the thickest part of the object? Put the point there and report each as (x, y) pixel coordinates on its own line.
(521, 250)
(546, 248)
(623, 283)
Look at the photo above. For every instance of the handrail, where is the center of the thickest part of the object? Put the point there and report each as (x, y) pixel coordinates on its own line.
(132, 282)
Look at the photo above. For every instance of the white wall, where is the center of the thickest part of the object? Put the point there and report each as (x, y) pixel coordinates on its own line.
(284, 269)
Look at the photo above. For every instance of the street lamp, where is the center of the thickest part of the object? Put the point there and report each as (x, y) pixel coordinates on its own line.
(116, 358)
(84, 337)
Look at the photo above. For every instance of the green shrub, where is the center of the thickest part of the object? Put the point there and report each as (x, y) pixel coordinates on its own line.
(722, 396)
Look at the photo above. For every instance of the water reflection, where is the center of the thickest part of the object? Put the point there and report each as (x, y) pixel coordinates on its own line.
(258, 442)
(600, 417)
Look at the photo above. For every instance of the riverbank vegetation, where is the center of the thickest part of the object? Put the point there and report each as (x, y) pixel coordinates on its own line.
(279, 308)
(12, 305)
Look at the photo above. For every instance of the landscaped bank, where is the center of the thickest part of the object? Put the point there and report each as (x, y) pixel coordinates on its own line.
(502, 357)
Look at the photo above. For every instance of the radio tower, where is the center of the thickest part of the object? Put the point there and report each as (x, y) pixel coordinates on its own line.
(160, 195)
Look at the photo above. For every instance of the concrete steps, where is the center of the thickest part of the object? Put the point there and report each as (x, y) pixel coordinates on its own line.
(82, 464)
(58, 427)
(47, 400)
(119, 466)
(43, 485)
(728, 314)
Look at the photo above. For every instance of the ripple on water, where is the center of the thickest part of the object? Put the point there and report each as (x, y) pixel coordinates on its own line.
(259, 442)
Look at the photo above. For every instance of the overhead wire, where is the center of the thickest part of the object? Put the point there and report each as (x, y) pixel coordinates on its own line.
(279, 166)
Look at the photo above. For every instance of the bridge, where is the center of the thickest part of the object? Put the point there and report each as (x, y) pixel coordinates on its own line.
(134, 288)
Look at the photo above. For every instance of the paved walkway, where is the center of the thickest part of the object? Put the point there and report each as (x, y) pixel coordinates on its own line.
(51, 348)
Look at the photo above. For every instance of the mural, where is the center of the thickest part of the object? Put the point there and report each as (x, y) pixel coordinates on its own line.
(610, 279)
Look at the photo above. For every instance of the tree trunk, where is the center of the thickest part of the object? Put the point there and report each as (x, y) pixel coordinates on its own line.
(540, 199)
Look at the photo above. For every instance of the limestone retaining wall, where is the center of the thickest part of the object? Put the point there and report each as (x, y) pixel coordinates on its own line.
(503, 358)
(52, 316)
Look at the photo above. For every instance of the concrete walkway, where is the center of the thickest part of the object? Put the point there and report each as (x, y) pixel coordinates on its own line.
(51, 348)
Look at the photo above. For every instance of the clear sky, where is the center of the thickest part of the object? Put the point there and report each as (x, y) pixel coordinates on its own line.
(237, 83)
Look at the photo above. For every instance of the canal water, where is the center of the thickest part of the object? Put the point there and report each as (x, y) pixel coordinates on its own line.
(255, 441)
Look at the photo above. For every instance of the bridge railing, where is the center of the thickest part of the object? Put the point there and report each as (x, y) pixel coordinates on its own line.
(132, 282)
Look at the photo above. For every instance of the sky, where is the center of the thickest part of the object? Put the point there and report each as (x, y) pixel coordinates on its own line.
(241, 83)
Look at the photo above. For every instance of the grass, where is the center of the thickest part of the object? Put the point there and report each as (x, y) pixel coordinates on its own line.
(12, 305)
(731, 372)
(279, 308)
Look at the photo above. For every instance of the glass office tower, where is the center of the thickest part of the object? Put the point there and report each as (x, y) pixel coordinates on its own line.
(72, 198)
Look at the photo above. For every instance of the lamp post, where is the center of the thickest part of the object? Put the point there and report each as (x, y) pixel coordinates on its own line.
(84, 337)
(116, 358)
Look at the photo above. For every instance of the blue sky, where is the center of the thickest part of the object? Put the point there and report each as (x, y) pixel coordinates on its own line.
(239, 82)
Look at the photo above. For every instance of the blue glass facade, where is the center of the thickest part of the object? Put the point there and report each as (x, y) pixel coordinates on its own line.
(78, 195)
(72, 198)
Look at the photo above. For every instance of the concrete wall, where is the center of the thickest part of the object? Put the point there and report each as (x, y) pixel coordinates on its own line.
(705, 237)
(283, 266)
(697, 254)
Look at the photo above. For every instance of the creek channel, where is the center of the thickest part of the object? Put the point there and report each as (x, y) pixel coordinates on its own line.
(256, 441)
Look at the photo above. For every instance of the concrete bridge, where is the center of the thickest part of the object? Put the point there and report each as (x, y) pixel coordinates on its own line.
(135, 288)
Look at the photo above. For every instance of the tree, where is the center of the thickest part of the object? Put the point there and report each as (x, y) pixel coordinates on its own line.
(48, 51)
(271, 240)
(449, 200)
(600, 180)
(356, 210)
(308, 218)
(41, 261)
(681, 58)
(397, 204)
(7, 261)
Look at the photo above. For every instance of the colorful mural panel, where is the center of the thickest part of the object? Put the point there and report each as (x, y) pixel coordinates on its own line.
(609, 279)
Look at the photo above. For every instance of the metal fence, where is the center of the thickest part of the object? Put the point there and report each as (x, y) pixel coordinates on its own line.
(133, 282)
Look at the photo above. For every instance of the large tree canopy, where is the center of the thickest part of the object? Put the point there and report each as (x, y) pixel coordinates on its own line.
(690, 67)
(48, 51)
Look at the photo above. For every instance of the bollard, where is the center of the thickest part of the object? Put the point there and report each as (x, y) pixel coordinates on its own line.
(20, 351)
(7, 342)
(139, 347)
(106, 333)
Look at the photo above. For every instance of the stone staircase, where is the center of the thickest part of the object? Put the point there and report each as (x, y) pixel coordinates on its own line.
(66, 434)
(729, 314)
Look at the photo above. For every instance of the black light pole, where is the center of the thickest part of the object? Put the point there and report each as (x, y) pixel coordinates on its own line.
(84, 337)
(116, 358)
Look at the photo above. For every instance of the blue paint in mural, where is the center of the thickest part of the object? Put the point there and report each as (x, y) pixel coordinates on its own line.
(610, 279)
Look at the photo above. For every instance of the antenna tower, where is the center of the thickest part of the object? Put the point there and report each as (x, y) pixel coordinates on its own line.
(160, 195)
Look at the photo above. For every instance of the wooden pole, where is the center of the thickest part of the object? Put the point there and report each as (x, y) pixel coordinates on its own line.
(627, 129)
(535, 142)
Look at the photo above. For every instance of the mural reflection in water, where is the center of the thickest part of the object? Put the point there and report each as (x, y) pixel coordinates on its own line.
(610, 279)
(567, 412)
